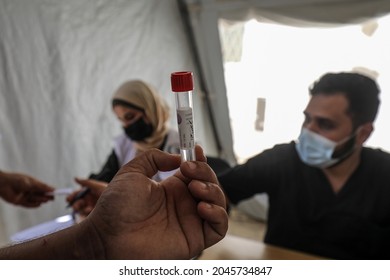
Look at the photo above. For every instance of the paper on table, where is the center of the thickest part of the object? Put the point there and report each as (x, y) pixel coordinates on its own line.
(43, 229)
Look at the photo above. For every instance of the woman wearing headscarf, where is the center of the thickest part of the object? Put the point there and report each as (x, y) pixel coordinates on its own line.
(144, 117)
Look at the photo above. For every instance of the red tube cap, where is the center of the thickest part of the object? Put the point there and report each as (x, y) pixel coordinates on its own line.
(182, 81)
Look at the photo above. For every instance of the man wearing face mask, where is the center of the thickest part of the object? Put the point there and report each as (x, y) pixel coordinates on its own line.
(144, 117)
(328, 194)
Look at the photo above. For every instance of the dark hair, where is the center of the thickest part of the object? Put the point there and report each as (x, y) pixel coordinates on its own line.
(126, 104)
(361, 92)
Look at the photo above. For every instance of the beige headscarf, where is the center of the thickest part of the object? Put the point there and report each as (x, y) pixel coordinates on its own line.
(142, 95)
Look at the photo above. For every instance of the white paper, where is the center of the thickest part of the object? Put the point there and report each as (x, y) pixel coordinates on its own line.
(61, 191)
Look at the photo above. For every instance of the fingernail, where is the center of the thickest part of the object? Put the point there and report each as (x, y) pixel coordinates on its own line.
(208, 205)
(191, 165)
(204, 185)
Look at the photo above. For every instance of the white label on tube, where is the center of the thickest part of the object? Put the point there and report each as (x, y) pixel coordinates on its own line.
(186, 127)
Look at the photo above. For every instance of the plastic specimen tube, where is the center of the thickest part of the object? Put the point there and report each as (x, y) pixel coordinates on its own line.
(182, 84)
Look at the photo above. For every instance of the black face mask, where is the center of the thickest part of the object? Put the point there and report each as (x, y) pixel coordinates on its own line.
(139, 130)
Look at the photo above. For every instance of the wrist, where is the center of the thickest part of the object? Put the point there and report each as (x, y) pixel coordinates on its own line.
(79, 242)
(88, 242)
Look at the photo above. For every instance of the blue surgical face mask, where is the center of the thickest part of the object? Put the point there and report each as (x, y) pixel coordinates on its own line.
(316, 150)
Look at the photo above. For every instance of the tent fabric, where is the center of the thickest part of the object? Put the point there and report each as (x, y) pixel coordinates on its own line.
(295, 12)
(60, 62)
(206, 33)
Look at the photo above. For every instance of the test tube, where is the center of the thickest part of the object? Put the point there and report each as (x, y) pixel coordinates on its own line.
(182, 84)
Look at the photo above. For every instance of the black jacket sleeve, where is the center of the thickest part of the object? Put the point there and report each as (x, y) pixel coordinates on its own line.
(109, 169)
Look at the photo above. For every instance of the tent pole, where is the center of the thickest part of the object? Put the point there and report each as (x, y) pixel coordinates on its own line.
(202, 82)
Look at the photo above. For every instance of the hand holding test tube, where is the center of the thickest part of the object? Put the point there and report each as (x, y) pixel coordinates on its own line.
(182, 85)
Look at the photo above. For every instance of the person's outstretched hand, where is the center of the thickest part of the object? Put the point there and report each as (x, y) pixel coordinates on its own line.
(24, 190)
(177, 218)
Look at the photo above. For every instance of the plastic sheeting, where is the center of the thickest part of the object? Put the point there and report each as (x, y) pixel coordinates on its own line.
(60, 62)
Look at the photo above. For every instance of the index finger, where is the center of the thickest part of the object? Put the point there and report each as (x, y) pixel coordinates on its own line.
(150, 162)
(40, 187)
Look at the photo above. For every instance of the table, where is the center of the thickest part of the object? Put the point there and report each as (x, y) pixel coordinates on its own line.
(239, 248)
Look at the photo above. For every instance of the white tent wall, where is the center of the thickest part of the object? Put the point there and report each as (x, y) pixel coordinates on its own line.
(60, 62)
